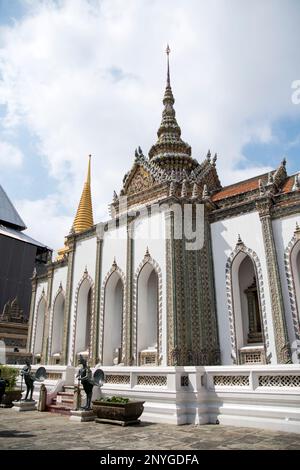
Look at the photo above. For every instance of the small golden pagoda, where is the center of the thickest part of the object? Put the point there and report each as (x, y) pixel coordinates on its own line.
(84, 216)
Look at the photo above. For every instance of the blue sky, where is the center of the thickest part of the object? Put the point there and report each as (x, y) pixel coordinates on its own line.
(11, 10)
(80, 77)
(286, 143)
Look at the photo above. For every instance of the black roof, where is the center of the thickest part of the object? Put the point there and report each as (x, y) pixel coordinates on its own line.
(8, 214)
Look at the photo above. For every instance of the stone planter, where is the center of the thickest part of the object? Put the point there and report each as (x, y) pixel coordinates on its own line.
(118, 413)
(9, 397)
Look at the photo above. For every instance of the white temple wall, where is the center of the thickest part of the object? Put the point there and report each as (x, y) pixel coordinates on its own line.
(59, 279)
(114, 246)
(224, 236)
(42, 286)
(84, 259)
(284, 229)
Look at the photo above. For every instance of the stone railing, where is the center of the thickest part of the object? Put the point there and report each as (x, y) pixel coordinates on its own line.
(257, 395)
(135, 377)
(253, 378)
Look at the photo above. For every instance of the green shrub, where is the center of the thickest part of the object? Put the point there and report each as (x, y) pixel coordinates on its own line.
(10, 374)
(114, 399)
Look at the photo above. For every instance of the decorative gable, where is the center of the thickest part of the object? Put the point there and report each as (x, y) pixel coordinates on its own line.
(139, 181)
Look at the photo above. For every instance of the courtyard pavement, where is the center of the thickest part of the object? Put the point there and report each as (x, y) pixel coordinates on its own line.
(34, 430)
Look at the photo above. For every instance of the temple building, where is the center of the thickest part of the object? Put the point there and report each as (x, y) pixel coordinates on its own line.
(13, 334)
(134, 290)
(20, 255)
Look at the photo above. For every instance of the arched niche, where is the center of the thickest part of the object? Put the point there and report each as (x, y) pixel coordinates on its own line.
(58, 324)
(292, 269)
(249, 335)
(113, 320)
(147, 313)
(295, 267)
(39, 331)
(83, 319)
(246, 301)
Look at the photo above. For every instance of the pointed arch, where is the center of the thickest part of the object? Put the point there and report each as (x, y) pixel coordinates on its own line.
(147, 260)
(39, 322)
(115, 269)
(56, 320)
(241, 248)
(290, 262)
(87, 282)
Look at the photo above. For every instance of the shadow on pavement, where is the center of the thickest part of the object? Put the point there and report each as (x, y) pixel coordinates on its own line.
(12, 433)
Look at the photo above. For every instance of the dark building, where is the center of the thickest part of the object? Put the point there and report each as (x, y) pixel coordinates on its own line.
(13, 333)
(19, 256)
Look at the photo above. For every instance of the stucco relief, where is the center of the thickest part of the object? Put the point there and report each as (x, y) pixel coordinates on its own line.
(139, 181)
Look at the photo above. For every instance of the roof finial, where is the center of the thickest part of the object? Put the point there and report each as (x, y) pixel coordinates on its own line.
(88, 178)
(169, 143)
(168, 50)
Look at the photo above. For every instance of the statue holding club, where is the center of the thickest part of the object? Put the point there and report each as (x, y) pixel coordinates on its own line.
(30, 377)
(88, 381)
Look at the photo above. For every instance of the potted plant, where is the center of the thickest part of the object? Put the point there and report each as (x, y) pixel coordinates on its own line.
(118, 410)
(10, 375)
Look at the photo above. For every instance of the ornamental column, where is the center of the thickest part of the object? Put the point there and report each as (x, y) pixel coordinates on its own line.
(128, 357)
(172, 347)
(264, 207)
(68, 300)
(98, 281)
(44, 358)
(32, 309)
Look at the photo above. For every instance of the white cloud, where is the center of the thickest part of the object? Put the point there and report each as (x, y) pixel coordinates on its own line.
(88, 77)
(47, 225)
(10, 156)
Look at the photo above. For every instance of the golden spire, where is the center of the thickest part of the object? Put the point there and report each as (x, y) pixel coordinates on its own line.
(84, 216)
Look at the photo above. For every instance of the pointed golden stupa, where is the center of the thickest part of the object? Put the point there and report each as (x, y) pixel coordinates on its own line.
(84, 216)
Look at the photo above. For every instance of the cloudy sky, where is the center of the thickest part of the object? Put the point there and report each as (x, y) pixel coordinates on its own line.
(87, 76)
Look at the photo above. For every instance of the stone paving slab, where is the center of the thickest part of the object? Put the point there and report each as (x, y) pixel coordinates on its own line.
(34, 430)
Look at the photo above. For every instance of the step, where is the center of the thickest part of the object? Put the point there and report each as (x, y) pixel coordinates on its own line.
(65, 394)
(59, 409)
(69, 387)
(64, 400)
